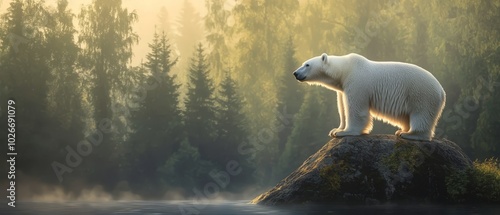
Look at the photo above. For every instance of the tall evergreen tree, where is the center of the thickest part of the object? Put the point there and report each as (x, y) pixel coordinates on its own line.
(231, 131)
(189, 167)
(231, 120)
(199, 114)
(25, 72)
(106, 37)
(189, 33)
(157, 124)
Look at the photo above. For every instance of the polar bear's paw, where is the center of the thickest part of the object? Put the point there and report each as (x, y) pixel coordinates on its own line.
(398, 132)
(343, 133)
(334, 131)
(413, 136)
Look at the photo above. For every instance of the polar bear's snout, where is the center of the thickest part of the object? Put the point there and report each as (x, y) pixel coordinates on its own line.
(300, 74)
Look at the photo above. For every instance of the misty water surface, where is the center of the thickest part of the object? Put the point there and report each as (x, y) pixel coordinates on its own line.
(233, 208)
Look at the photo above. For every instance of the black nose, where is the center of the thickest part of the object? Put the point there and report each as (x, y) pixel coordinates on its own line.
(295, 74)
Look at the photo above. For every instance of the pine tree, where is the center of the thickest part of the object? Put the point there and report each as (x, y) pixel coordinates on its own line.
(231, 131)
(231, 120)
(164, 99)
(199, 114)
(188, 167)
(157, 124)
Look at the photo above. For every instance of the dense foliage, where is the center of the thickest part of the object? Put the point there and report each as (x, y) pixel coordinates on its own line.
(480, 183)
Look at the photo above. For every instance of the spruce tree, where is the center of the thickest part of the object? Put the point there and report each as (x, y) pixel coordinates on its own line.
(231, 130)
(157, 126)
(199, 114)
(189, 167)
(230, 118)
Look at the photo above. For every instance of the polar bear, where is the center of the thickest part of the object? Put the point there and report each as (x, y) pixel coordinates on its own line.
(400, 94)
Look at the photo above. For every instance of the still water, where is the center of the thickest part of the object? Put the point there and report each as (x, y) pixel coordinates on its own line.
(232, 208)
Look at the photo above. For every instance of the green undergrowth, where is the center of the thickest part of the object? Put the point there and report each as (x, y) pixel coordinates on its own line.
(480, 183)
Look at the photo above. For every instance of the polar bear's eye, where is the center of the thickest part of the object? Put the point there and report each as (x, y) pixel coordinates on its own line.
(307, 65)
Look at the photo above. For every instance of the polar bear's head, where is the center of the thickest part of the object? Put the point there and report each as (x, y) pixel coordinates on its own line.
(313, 70)
(322, 70)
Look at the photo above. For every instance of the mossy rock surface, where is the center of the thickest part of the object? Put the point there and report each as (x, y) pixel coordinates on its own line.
(372, 169)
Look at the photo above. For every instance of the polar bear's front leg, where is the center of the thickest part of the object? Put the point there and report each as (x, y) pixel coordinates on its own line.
(357, 116)
(341, 109)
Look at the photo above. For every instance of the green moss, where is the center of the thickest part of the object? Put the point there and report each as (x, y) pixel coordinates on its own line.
(480, 183)
(403, 154)
(332, 175)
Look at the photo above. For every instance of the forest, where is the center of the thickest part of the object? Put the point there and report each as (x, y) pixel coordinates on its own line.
(215, 95)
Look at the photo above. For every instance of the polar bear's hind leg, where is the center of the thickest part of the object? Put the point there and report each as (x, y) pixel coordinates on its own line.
(404, 125)
(421, 125)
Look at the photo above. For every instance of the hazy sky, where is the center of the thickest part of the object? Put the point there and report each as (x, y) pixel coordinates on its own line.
(147, 10)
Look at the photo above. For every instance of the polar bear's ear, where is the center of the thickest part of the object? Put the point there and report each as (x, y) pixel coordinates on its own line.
(324, 58)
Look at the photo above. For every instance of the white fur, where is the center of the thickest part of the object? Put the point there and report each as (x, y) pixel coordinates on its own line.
(400, 94)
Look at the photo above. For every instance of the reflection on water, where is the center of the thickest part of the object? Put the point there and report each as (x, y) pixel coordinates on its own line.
(233, 208)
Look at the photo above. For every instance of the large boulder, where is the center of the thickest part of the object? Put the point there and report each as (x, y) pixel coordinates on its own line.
(372, 169)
